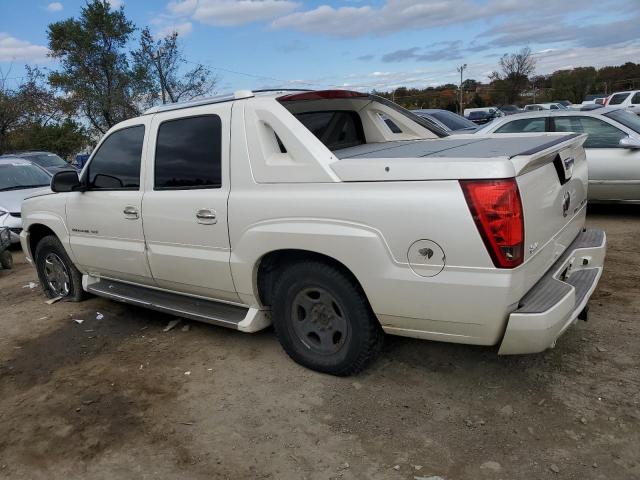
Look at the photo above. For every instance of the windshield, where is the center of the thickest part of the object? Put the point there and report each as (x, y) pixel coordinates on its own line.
(15, 176)
(47, 160)
(452, 120)
(478, 114)
(626, 118)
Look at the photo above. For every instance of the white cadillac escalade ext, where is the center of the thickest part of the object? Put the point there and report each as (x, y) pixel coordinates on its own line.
(334, 215)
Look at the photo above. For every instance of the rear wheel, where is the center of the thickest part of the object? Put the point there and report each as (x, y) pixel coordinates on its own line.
(323, 320)
(58, 276)
(6, 260)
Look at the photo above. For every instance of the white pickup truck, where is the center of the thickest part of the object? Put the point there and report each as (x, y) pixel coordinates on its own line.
(335, 215)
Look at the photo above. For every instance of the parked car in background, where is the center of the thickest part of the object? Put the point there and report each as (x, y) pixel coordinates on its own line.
(613, 145)
(509, 109)
(18, 179)
(481, 117)
(306, 210)
(629, 100)
(47, 160)
(590, 99)
(492, 110)
(544, 106)
(565, 103)
(450, 121)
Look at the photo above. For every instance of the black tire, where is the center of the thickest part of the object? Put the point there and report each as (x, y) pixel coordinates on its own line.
(6, 260)
(51, 248)
(301, 295)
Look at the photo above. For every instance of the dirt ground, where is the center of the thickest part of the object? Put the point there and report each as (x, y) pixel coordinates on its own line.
(118, 398)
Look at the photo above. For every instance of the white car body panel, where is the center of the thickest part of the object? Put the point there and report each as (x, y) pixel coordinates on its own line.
(103, 240)
(189, 255)
(354, 211)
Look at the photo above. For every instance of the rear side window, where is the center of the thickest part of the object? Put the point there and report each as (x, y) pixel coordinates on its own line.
(636, 99)
(116, 164)
(523, 125)
(618, 98)
(188, 153)
(336, 129)
(601, 134)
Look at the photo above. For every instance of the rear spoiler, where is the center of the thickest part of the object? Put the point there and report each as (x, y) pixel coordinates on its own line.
(549, 152)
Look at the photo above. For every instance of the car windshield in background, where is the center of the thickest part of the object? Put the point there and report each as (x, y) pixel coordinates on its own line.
(626, 118)
(16, 176)
(452, 120)
(47, 160)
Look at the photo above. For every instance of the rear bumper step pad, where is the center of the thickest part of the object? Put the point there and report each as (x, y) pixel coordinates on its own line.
(556, 301)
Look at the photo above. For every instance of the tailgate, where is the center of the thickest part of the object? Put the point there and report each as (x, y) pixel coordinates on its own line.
(553, 185)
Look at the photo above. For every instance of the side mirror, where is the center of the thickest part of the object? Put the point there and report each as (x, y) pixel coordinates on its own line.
(630, 142)
(65, 181)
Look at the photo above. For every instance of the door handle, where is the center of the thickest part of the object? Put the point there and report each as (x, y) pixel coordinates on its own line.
(206, 216)
(131, 213)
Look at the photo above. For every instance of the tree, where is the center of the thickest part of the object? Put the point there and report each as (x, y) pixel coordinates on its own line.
(64, 138)
(163, 62)
(95, 71)
(10, 111)
(513, 77)
(33, 117)
(573, 85)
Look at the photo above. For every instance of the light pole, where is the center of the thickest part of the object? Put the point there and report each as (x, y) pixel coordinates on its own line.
(461, 69)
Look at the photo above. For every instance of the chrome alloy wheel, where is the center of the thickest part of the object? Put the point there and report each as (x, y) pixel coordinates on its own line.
(56, 275)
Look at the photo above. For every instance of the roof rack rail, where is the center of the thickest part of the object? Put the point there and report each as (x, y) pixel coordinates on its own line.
(238, 95)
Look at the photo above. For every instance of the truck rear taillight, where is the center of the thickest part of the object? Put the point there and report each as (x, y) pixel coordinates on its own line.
(497, 211)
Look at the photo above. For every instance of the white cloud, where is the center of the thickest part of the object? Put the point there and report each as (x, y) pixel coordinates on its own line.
(550, 60)
(182, 7)
(12, 48)
(54, 7)
(392, 16)
(231, 12)
(115, 4)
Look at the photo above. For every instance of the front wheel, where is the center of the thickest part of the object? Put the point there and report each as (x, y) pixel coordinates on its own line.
(323, 319)
(58, 275)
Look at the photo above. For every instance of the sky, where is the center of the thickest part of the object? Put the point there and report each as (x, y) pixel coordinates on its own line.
(356, 44)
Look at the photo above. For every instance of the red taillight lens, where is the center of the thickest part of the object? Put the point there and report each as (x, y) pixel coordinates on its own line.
(497, 210)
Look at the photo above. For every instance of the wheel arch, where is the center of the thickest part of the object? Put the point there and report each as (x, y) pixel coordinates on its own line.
(268, 266)
(37, 232)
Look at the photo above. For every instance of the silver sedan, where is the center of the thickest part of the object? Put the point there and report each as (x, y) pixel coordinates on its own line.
(18, 180)
(612, 147)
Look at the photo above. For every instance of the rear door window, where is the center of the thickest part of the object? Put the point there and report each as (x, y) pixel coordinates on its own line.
(336, 129)
(188, 153)
(636, 99)
(524, 125)
(618, 98)
(116, 164)
(601, 134)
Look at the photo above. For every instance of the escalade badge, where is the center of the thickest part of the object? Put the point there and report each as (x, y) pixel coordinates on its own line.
(566, 202)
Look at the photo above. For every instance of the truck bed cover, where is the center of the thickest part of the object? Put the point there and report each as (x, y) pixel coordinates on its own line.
(479, 147)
